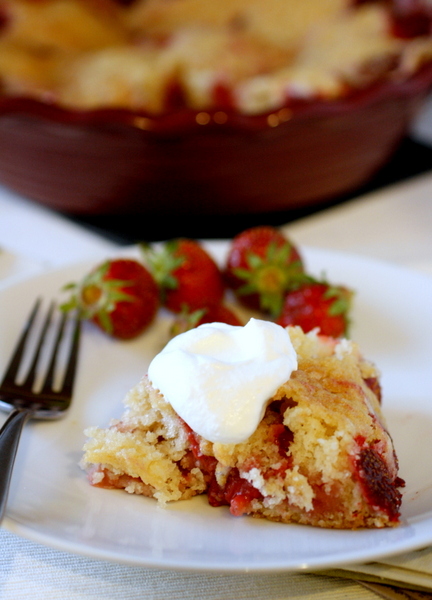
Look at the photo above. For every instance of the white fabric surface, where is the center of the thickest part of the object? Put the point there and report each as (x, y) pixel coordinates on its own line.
(43, 237)
(394, 224)
(32, 571)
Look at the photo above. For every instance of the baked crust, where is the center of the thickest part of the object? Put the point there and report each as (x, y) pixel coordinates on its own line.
(321, 455)
(253, 56)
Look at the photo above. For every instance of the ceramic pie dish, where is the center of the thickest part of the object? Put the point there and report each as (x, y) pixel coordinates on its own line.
(203, 128)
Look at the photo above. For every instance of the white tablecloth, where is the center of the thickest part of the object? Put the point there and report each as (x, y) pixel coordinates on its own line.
(394, 224)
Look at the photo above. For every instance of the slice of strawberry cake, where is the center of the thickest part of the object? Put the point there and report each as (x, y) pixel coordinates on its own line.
(270, 421)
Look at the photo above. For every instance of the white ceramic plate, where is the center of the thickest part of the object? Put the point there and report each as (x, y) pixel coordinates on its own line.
(14, 267)
(51, 502)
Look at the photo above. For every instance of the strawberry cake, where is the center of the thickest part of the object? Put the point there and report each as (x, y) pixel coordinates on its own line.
(252, 56)
(269, 421)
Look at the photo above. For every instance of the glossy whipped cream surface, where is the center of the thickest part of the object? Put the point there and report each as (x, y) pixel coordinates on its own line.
(219, 378)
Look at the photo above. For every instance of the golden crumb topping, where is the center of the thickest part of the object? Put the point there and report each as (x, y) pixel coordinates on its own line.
(252, 56)
(321, 454)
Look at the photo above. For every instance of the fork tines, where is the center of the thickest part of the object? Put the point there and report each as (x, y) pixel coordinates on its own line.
(9, 386)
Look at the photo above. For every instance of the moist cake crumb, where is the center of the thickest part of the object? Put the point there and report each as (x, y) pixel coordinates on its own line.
(321, 455)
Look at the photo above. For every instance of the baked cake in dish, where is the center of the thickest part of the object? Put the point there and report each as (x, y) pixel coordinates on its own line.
(320, 455)
(251, 56)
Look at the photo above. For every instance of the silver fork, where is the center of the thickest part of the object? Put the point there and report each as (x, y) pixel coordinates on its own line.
(47, 402)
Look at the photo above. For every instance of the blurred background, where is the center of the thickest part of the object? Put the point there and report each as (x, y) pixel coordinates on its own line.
(149, 119)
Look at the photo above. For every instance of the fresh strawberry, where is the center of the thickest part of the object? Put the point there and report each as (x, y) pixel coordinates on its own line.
(120, 296)
(186, 274)
(262, 265)
(218, 313)
(320, 305)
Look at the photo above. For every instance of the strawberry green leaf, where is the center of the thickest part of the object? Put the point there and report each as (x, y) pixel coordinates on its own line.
(162, 263)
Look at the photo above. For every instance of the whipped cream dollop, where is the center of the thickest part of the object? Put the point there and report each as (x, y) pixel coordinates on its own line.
(219, 378)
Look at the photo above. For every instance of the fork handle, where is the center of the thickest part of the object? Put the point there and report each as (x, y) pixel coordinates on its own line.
(10, 435)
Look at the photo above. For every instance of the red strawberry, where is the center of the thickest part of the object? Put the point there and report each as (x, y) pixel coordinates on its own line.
(218, 313)
(262, 265)
(186, 274)
(318, 305)
(120, 296)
